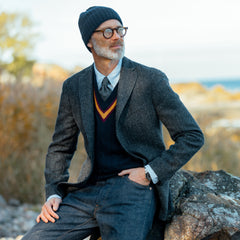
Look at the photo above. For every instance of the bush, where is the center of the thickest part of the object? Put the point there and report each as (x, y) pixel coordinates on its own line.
(26, 124)
(221, 149)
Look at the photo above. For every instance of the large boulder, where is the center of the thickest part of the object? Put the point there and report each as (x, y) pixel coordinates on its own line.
(207, 206)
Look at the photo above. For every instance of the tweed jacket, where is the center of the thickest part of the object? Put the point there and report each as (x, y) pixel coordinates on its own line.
(145, 101)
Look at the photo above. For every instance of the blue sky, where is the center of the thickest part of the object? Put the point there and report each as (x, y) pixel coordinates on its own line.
(188, 39)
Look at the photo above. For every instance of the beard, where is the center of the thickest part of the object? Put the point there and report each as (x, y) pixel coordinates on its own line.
(108, 53)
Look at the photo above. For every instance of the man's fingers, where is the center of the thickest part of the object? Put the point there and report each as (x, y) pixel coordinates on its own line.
(136, 175)
(46, 216)
(49, 212)
(38, 218)
(124, 172)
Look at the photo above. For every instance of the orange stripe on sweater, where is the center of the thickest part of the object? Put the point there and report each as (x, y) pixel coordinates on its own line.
(105, 114)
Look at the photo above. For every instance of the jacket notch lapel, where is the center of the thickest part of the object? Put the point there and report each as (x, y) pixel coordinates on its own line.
(126, 84)
(87, 109)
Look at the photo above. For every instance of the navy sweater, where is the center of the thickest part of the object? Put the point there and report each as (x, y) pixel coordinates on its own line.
(110, 157)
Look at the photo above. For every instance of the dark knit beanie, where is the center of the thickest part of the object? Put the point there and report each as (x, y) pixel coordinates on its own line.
(92, 18)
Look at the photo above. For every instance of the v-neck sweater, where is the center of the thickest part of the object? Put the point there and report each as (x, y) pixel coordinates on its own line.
(110, 156)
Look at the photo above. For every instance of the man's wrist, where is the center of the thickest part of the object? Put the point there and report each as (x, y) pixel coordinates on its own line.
(150, 172)
(54, 196)
(147, 175)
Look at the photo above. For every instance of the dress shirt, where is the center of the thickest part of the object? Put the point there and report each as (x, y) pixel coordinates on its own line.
(113, 77)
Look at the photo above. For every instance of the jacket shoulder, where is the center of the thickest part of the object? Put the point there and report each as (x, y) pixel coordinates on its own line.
(145, 69)
(78, 76)
(148, 73)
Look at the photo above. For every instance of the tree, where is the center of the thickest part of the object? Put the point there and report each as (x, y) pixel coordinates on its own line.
(16, 44)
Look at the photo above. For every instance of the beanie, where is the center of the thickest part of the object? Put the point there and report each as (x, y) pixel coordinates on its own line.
(92, 18)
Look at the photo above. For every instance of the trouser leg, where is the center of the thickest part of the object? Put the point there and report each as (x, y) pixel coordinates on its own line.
(121, 208)
(125, 210)
(76, 219)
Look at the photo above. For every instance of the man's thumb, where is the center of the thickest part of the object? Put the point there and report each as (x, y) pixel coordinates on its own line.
(124, 172)
(56, 205)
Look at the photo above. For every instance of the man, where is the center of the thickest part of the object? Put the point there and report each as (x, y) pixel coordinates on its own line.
(118, 105)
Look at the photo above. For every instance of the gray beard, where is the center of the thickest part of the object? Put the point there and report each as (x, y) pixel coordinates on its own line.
(106, 53)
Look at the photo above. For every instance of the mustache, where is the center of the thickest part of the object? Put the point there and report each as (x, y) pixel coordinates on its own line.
(118, 43)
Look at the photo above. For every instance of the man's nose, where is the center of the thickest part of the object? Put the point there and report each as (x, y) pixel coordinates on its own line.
(115, 34)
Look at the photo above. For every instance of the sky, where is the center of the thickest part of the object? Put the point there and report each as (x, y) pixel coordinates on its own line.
(189, 40)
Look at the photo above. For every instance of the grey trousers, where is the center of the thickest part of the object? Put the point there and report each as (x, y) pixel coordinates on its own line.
(119, 207)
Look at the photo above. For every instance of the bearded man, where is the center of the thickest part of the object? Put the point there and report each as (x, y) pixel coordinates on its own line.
(119, 106)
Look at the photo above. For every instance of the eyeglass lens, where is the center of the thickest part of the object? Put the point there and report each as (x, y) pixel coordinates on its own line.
(108, 33)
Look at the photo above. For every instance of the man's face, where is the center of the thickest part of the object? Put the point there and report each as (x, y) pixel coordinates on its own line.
(112, 48)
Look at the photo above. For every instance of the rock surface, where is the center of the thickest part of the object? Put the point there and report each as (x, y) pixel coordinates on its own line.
(207, 207)
(16, 219)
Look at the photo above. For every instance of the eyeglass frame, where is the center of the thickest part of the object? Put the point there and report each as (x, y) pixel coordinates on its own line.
(112, 29)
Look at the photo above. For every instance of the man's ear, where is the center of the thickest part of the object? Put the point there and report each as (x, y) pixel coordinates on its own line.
(90, 44)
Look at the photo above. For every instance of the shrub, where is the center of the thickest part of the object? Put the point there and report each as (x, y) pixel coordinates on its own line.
(27, 118)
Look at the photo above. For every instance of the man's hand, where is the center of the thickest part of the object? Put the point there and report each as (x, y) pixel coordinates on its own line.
(48, 210)
(136, 175)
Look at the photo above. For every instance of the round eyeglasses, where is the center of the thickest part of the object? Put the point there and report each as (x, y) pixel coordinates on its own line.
(108, 32)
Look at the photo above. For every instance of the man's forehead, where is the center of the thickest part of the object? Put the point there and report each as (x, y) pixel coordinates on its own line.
(110, 23)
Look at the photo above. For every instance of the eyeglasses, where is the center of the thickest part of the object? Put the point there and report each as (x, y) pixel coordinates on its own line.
(108, 32)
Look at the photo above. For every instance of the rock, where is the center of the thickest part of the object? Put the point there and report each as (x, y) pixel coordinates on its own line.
(3, 232)
(3, 203)
(218, 235)
(207, 206)
(14, 202)
(236, 236)
(16, 220)
(19, 237)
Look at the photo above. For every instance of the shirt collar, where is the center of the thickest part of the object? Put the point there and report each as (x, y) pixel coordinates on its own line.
(113, 77)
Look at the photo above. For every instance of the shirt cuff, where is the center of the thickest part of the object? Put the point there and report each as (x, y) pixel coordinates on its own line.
(53, 196)
(153, 175)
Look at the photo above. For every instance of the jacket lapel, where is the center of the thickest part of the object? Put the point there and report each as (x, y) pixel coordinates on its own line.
(87, 109)
(126, 84)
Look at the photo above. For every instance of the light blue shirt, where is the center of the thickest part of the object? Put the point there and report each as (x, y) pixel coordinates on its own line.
(113, 77)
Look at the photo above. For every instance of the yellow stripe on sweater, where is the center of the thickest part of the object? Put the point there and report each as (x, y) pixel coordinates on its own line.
(105, 114)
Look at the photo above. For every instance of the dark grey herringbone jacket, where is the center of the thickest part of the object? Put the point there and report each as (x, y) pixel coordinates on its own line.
(145, 101)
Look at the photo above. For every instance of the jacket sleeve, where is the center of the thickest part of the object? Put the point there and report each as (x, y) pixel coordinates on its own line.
(183, 129)
(63, 145)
